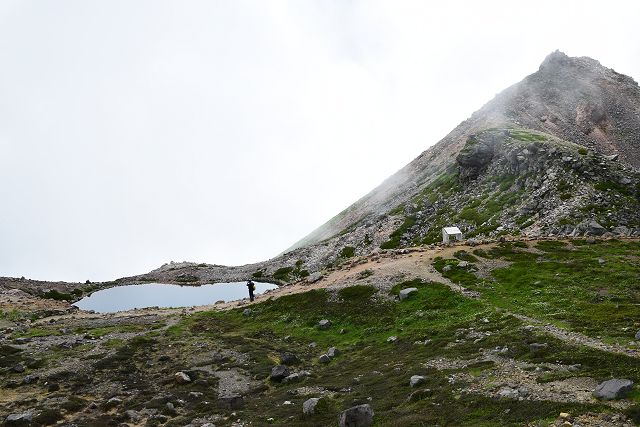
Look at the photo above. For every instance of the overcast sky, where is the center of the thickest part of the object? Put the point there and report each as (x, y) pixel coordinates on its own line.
(133, 133)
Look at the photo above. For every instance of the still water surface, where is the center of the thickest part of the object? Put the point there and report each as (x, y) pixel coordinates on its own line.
(162, 295)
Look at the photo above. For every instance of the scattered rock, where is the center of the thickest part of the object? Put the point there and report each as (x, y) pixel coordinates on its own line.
(592, 228)
(18, 420)
(309, 406)
(405, 293)
(508, 393)
(182, 378)
(19, 368)
(324, 324)
(324, 359)
(638, 335)
(279, 373)
(314, 277)
(621, 230)
(537, 348)
(247, 312)
(416, 380)
(113, 402)
(231, 402)
(287, 358)
(392, 339)
(170, 409)
(132, 415)
(357, 416)
(613, 389)
(332, 352)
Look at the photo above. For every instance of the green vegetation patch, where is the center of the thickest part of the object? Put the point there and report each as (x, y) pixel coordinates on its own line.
(592, 289)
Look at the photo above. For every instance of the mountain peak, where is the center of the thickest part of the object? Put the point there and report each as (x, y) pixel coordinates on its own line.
(561, 141)
(554, 60)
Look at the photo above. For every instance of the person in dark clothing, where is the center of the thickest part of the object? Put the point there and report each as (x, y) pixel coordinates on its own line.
(252, 287)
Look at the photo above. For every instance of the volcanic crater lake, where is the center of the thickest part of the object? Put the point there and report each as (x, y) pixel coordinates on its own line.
(162, 295)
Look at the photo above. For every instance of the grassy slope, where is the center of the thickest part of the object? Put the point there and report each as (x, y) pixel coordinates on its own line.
(370, 369)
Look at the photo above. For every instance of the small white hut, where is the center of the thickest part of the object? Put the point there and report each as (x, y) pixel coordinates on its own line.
(451, 233)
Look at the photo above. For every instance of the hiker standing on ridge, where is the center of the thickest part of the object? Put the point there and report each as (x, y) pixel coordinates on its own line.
(252, 287)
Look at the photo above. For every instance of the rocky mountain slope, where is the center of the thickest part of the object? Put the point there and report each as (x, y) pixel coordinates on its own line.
(554, 154)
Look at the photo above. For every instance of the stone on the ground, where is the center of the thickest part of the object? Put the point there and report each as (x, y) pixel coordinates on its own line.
(594, 229)
(170, 408)
(416, 380)
(19, 368)
(621, 230)
(446, 268)
(324, 359)
(17, 420)
(538, 347)
(324, 324)
(288, 358)
(279, 372)
(613, 389)
(564, 415)
(181, 378)
(332, 352)
(405, 293)
(295, 377)
(234, 401)
(132, 415)
(309, 406)
(314, 277)
(508, 393)
(392, 339)
(357, 416)
(638, 335)
(113, 402)
(246, 312)
(463, 264)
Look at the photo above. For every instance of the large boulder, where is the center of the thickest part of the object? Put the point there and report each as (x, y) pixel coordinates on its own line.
(279, 372)
(613, 389)
(357, 416)
(405, 293)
